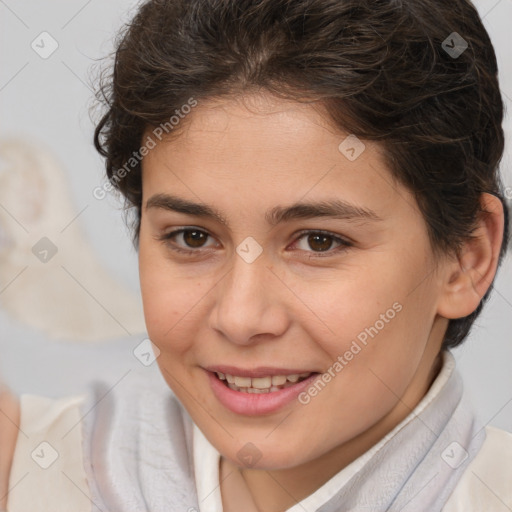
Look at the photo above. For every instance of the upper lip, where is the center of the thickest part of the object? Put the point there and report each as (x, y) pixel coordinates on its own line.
(260, 371)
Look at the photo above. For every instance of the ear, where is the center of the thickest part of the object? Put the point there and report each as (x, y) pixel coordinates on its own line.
(469, 276)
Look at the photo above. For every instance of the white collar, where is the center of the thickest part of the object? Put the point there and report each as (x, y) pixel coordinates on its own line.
(206, 456)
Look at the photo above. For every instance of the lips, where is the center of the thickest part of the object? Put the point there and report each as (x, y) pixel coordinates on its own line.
(258, 401)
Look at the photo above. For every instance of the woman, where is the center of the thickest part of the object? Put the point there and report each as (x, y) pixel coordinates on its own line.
(319, 219)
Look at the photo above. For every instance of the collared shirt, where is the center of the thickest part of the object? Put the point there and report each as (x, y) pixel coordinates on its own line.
(485, 484)
(134, 448)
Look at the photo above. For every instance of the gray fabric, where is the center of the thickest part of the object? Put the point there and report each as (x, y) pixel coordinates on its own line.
(138, 452)
(408, 474)
(138, 447)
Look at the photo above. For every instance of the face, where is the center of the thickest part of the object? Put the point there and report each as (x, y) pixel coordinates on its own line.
(267, 244)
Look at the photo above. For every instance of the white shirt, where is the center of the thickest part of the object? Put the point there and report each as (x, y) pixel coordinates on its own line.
(134, 449)
(485, 486)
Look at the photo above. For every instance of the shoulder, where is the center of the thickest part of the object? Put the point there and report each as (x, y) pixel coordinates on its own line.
(485, 485)
(46, 465)
(126, 442)
(9, 425)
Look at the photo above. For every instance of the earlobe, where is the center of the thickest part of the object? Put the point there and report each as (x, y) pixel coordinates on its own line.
(471, 274)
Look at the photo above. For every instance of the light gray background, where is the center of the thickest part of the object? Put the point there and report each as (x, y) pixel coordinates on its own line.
(48, 101)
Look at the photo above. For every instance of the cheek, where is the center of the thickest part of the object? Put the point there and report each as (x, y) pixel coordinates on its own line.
(165, 298)
(351, 304)
(371, 319)
(174, 305)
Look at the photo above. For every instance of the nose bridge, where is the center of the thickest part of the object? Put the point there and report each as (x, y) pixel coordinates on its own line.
(247, 303)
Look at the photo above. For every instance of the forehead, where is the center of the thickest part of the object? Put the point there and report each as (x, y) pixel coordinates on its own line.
(258, 148)
(254, 124)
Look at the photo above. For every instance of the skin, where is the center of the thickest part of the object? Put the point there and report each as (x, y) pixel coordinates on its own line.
(9, 425)
(292, 308)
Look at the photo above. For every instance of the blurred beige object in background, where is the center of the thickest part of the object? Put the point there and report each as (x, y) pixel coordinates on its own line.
(50, 277)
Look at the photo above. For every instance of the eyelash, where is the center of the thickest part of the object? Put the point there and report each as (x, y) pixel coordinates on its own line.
(344, 244)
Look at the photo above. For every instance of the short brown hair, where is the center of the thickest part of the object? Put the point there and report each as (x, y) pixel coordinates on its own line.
(381, 69)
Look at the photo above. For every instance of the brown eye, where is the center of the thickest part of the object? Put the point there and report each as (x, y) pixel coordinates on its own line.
(194, 238)
(319, 242)
(187, 240)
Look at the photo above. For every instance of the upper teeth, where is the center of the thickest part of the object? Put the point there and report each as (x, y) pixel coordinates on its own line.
(261, 382)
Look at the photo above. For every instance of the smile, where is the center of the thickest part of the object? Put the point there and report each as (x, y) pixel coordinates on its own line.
(268, 384)
(258, 395)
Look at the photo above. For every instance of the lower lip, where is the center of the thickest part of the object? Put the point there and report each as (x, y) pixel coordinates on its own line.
(254, 404)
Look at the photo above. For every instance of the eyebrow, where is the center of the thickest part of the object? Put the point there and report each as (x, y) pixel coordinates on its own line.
(334, 208)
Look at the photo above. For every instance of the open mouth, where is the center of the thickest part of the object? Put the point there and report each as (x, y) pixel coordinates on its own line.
(267, 384)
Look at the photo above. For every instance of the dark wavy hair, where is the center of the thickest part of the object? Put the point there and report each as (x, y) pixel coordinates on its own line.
(380, 69)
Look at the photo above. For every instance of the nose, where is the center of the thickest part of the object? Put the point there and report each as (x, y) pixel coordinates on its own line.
(249, 303)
